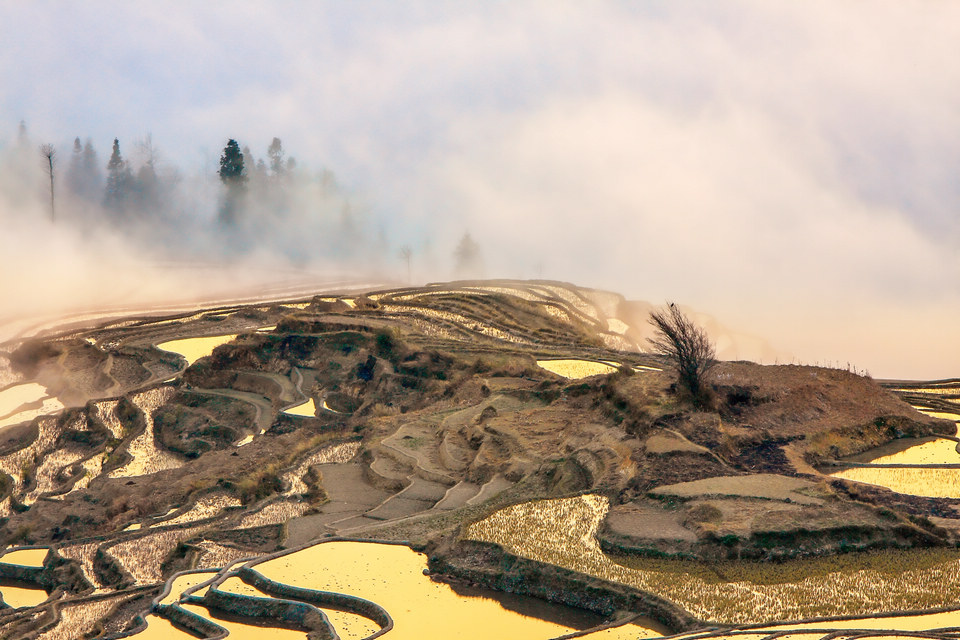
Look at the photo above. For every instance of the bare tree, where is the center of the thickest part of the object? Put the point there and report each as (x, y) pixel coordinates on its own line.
(405, 254)
(687, 345)
(50, 155)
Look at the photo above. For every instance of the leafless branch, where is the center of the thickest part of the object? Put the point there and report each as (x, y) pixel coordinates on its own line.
(686, 345)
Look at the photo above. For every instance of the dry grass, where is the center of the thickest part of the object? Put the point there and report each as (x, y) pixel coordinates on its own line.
(147, 458)
(142, 557)
(78, 619)
(761, 485)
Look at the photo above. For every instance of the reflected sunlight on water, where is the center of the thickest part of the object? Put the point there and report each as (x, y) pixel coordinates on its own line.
(22, 594)
(195, 348)
(244, 631)
(575, 369)
(308, 409)
(25, 557)
(917, 481)
(392, 576)
(162, 629)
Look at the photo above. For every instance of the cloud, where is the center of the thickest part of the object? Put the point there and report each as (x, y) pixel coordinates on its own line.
(790, 168)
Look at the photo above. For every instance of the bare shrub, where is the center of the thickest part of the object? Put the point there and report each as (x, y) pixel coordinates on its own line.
(687, 346)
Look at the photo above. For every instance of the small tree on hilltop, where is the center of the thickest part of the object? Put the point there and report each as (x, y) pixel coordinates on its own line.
(687, 346)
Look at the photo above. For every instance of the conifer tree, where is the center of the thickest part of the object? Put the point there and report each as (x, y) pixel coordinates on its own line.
(234, 178)
(118, 180)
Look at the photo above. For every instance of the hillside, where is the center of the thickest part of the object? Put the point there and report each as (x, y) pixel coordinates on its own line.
(408, 415)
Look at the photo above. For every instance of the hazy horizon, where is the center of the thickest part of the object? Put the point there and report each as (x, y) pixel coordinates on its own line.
(792, 170)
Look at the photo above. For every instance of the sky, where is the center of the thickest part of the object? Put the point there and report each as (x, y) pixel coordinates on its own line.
(790, 168)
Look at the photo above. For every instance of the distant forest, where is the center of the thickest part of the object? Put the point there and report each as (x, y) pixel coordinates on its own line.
(253, 204)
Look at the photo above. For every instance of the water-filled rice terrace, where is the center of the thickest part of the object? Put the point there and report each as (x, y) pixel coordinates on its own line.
(476, 459)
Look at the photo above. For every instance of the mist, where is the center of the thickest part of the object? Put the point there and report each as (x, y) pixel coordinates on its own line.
(789, 170)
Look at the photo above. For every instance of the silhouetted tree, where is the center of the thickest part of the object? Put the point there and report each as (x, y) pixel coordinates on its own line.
(92, 177)
(234, 178)
(405, 254)
(83, 174)
(49, 155)
(468, 261)
(75, 170)
(687, 346)
(146, 185)
(118, 180)
(275, 153)
(23, 138)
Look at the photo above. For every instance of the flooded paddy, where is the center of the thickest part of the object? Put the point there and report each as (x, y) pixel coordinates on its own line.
(12, 398)
(47, 406)
(192, 349)
(21, 594)
(576, 369)
(392, 577)
(25, 557)
(244, 629)
(561, 532)
(349, 626)
(929, 482)
(307, 409)
(162, 629)
(918, 479)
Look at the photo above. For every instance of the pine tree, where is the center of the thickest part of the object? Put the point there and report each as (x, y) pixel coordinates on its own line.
(91, 169)
(469, 262)
(118, 180)
(234, 178)
(231, 165)
(275, 153)
(75, 170)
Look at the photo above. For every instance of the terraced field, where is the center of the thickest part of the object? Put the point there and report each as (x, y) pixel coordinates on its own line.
(140, 447)
(155, 468)
(926, 467)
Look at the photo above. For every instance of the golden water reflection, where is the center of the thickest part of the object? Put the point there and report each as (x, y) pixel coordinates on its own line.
(25, 557)
(349, 626)
(244, 630)
(308, 409)
(14, 397)
(21, 594)
(939, 451)
(926, 482)
(392, 576)
(162, 629)
(195, 348)
(561, 532)
(916, 481)
(575, 369)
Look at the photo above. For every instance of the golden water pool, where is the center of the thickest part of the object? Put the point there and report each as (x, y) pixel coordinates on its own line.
(195, 348)
(25, 557)
(246, 630)
(392, 576)
(349, 626)
(915, 481)
(14, 397)
(308, 409)
(21, 594)
(575, 369)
